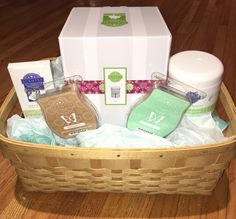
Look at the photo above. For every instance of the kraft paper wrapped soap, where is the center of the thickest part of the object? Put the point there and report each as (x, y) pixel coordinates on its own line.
(115, 50)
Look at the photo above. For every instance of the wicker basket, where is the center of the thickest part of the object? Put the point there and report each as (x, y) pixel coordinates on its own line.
(186, 170)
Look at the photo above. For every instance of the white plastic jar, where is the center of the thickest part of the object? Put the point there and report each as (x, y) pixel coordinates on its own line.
(200, 70)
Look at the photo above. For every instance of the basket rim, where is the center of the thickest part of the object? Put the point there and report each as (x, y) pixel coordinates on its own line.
(6, 140)
(31, 149)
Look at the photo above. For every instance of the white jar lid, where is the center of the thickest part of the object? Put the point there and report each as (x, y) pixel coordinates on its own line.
(196, 67)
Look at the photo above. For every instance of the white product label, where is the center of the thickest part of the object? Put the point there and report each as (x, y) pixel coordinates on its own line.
(115, 86)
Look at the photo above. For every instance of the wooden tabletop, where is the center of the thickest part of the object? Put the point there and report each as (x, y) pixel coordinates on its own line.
(29, 30)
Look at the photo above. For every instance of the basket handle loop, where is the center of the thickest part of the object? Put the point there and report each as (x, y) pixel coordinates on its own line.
(6, 107)
(229, 106)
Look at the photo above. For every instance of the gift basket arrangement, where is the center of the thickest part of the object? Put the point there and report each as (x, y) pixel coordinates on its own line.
(114, 113)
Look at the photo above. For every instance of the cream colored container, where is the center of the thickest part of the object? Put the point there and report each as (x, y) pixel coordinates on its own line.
(200, 70)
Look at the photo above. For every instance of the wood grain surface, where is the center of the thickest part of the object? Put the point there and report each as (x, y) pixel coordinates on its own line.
(29, 31)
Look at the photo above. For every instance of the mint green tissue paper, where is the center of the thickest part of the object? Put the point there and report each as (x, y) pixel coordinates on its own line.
(33, 130)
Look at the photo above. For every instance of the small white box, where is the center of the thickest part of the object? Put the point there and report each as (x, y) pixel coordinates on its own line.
(96, 39)
(28, 79)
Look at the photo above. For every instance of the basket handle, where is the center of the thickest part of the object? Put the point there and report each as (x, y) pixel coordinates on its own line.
(229, 105)
(6, 107)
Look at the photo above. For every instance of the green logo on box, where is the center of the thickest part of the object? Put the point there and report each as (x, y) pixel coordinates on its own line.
(114, 19)
(115, 76)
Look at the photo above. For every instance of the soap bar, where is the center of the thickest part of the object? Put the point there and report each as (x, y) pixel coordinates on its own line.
(67, 112)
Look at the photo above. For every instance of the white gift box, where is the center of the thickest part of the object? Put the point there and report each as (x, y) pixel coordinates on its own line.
(113, 45)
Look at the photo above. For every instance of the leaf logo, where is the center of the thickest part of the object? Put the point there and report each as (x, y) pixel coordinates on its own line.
(115, 76)
(114, 19)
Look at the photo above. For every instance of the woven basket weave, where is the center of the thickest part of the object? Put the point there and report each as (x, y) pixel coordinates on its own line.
(186, 170)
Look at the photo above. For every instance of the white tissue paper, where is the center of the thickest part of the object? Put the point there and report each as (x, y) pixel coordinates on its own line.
(111, 136)
(196, 130)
